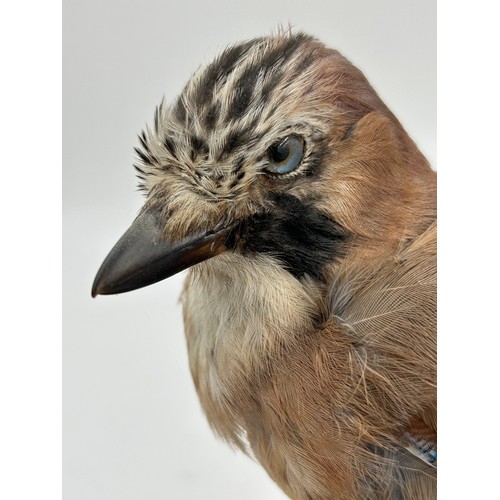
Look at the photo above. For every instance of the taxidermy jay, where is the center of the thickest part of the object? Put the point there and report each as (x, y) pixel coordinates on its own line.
(307, 218)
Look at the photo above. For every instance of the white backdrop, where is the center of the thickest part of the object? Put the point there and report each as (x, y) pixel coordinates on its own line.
(133, 428)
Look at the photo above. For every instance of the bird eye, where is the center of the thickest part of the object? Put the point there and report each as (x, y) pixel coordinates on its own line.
(286, 155)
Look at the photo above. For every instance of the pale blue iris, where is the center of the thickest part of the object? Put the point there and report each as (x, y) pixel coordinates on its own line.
(285, 156)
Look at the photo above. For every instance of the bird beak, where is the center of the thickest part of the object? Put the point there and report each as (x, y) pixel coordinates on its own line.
(143, 257)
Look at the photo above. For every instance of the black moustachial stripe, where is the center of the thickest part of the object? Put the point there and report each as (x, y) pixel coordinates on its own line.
(296, 233)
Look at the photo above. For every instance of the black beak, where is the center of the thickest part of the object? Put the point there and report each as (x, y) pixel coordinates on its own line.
(142, 257)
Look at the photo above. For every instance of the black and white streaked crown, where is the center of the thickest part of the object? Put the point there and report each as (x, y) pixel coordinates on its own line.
(231, 110)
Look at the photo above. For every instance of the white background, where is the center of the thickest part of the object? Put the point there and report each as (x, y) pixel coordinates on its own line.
(133, 428)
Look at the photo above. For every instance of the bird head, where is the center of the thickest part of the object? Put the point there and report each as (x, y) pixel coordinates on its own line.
(279, 147)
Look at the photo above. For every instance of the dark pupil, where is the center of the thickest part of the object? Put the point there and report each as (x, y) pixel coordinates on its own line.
(279, 152)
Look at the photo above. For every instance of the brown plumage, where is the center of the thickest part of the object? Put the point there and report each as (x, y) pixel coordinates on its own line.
(310, 307)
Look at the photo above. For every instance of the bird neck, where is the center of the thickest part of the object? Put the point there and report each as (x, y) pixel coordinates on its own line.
(240, 312)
